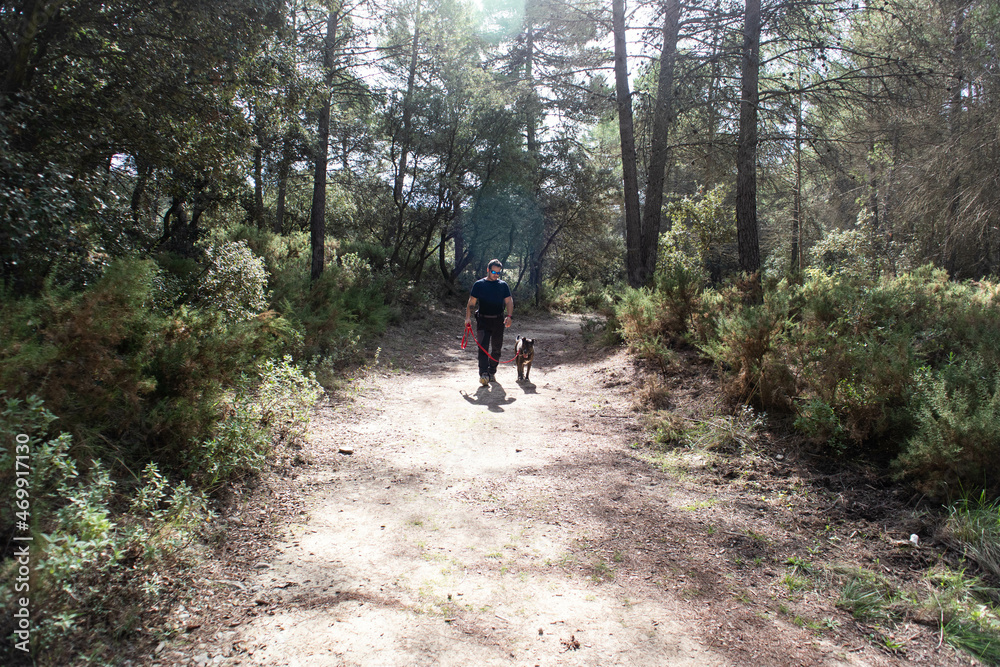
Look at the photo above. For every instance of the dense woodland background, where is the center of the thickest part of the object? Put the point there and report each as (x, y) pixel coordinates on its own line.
(208, 207)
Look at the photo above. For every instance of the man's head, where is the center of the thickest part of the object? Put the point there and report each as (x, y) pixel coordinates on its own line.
(494, 269)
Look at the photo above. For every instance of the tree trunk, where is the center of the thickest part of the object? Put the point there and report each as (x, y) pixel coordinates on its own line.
(955, 130)
(317, 218)
(258, 174)
(143, 172)
(407, 134)
(713, 114)
(284, 167)
(630, 177)
(746, 152)
(534, 258)
(35, 15)
(659, 147)
(531, 101)
(796, 264)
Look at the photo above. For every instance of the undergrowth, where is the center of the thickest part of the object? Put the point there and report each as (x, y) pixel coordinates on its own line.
(147, 391)
(899, 370)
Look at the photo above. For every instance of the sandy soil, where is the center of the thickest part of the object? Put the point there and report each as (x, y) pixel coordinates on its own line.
(519, 524)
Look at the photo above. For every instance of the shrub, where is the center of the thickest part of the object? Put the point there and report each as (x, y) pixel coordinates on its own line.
(645, 325)
(705, 222)
(680, 279)
(854, 350)
(350, 301)
(234, 281)
(847, 252)
(579, 296)
(748, 347)
(275, 408)
(94, 574)
(955, 445)
(129, 381)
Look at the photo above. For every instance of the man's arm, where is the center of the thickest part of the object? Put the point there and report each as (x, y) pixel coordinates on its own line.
(468, 309)
(509, 304)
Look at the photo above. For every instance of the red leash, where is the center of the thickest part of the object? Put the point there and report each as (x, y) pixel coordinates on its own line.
(468, 330)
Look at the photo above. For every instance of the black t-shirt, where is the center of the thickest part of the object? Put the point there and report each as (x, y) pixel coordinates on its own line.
(491, 295)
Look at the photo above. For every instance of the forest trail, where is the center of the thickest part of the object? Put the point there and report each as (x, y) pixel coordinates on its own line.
(501, 525)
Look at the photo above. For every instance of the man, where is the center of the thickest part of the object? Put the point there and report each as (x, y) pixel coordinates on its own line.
(493, 297)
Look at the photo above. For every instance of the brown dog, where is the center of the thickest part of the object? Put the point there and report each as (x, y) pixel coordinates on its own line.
(525, 351)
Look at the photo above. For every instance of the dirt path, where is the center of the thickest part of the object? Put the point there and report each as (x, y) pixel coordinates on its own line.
(508, 525)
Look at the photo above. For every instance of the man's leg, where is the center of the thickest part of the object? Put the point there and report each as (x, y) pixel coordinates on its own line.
(497, 340)
(483, 335)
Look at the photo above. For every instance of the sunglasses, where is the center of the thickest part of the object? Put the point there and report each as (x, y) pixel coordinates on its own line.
(496, 273)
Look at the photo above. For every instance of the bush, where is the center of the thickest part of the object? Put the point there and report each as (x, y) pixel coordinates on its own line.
(129, 381)
(896, 367)
(579, 296)
(871, 354)
(271, 410)
(95, 574)
(645, 325)
(680, 279)
(955, 445)
(234, 281)
(847, 252)
(748, 346)
(350, 302)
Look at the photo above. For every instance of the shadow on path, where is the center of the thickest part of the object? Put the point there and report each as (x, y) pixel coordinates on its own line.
(492, 396)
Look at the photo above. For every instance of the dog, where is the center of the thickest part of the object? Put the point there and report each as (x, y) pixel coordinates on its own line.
(524, 350)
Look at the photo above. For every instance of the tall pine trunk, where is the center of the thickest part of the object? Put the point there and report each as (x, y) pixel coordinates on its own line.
(405, 142)
(258, 171)
(659, 146)
(796, 264)
(317, 217)
(747, 240)
(630, 177)
(284, 167)
(955, 131)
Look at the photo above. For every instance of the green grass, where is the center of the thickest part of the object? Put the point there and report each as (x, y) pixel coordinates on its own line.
(974, 526)
(972, 638)
(868, 596)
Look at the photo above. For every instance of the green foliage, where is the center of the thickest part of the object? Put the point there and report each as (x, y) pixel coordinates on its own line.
(44, 216)
(151, 379)
(646, 325)
(350, 303)
(819, 421)
(580, 296)
(94, 574)
(680, 278)
(749, 344)
(272, 409)
(845, 252)
(234, 281)
(957, 422)
(897, 368)
(902, 363)
(699, 225)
